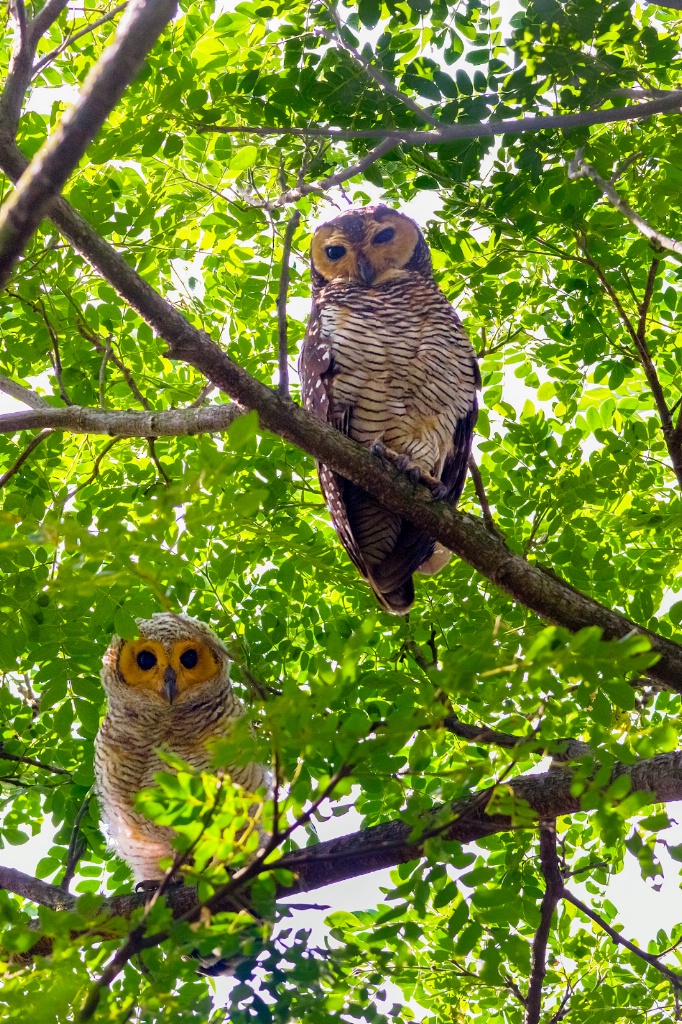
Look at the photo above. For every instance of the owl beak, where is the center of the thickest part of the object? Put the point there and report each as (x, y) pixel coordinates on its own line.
(365, 269)
(170, 686)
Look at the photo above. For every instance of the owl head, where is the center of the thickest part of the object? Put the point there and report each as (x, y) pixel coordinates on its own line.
(174, 659)
(366, 247)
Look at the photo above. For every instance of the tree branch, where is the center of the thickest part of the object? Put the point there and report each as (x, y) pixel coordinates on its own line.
(30, 448)
(670, 103)
(282, 324)
(49, 57)
(486, 512)
(649, 958)
(384, 83)
(129, 423)
(21, 759)
(554, 888)
(294, 194)
(550, 795)
(567, 749)
(579, 168)
(22, 394)
(48, 172)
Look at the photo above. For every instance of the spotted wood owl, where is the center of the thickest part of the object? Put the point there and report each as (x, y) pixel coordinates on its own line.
(171, 688)
(386, 361)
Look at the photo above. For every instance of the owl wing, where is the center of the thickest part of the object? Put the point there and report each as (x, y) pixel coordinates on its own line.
(315, 370)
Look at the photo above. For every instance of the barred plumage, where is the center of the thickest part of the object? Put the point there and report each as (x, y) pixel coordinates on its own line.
(387, 361)
(181, 700)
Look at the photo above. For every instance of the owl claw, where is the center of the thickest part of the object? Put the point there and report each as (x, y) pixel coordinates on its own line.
(414, 473)
(150, 885)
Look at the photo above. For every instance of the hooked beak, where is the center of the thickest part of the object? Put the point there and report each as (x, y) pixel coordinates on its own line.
(365, 269)
(170, 687)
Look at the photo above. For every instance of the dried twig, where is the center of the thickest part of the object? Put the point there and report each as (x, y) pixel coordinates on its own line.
(282, 323)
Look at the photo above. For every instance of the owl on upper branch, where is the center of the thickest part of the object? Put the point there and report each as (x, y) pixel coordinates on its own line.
(386, 361)
(169, 688)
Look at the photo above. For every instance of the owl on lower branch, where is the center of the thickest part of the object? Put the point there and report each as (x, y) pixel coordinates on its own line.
(386, 361)
(170, 688)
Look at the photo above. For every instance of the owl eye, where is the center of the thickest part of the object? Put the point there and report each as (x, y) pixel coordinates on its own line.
(335, 252)
(384, 236)
(189, 658)
(146, 660)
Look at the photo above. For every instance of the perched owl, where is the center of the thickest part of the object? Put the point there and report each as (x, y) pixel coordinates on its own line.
(170, 687)
(387, 361)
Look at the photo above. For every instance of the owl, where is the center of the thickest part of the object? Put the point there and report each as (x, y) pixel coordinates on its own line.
(171, 688)
(386, 361)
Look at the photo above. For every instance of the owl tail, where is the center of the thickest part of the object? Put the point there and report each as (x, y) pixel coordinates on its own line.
(398, 601)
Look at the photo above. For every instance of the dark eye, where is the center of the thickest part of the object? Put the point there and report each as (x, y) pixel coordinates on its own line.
(335, 252)
(146, 660)
(384, 236)
(189, 658)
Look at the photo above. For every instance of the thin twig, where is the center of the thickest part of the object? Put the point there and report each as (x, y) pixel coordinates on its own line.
(202, 396)
(384, 83)
(554, 889)
(113, 358)
(20, 758)
(649, 958)
(580, 168)
(77, 844)
(282, 292)
(486, 511)
(95, 470)
(155, 459)
(70, 40)
(31, 447)
(102, 373)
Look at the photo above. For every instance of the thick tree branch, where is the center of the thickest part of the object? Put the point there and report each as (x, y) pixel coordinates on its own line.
(128, 423)
(554, 888)
(70, 40)
(550, 795)
(670, 103)
(139, 29)
(579, 168)
(27, 35)
(22, 394)
(283, 291)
